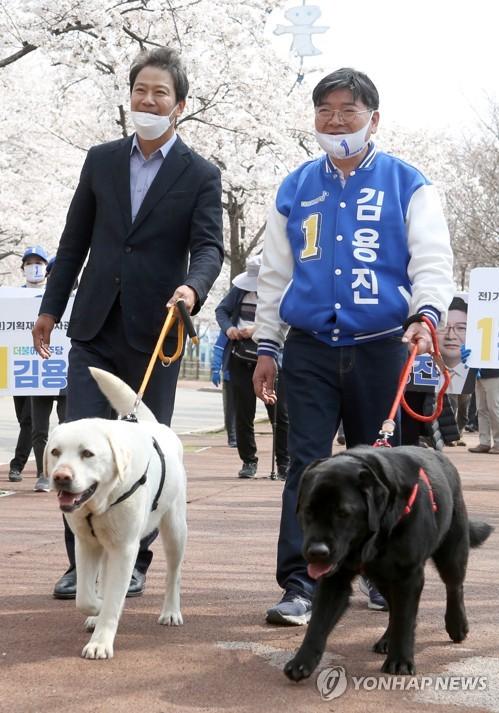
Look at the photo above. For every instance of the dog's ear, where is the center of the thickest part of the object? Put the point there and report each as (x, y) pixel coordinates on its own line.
(376, 496)
(400, 472)
(121, 455)
(306, 481)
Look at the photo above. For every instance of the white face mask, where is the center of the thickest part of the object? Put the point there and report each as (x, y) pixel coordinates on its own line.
(151, 126)
(344, 145)
(34, 273)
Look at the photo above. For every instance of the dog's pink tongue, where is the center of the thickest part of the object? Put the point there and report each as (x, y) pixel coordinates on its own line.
(316, 570)
(65, 498)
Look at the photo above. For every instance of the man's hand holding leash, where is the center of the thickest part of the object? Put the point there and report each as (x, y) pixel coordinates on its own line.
(419, 333)
(186, 293)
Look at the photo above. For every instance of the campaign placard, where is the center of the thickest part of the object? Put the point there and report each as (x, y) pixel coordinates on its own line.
(22, 371)
(482, 335)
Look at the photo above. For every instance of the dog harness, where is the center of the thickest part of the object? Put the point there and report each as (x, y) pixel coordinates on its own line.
(414, 494)
(140, 482)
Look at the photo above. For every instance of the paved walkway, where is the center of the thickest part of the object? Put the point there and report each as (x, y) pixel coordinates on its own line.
(225, 658)
(198, 407)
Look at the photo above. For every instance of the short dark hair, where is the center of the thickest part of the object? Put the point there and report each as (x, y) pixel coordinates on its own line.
(164, 58)
(347, 78)
(459, 304)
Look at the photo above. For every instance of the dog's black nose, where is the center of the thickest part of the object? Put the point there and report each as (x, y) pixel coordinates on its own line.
(318, 551)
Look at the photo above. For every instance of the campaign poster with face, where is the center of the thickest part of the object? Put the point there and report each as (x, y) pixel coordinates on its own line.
(450, 339)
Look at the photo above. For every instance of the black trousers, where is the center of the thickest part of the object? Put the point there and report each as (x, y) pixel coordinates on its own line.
(229, 411)
(460, 404)
(22, 405)
(325, 385)
(241, 376)
(41, 408)
(110, 350)
(411, 429)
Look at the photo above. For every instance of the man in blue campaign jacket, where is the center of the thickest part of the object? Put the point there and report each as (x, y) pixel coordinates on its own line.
(355, 243)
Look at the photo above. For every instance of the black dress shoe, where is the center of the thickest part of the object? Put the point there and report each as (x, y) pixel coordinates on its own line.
(65, 587)
(137, 584)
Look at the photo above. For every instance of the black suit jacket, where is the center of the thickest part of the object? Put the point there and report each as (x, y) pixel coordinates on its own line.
(176, 239)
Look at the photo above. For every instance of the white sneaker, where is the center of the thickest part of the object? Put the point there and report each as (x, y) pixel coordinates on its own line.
(293, 609)
(376, 600)
(42, 485)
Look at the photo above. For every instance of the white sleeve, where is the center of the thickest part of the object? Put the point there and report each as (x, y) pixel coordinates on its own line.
(275, 274)
(431, 258)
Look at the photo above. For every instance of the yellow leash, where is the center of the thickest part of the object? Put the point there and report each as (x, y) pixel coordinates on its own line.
(185, 322)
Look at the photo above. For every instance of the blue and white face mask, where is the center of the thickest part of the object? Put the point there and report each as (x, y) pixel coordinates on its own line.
(345, 145)
(35, 273)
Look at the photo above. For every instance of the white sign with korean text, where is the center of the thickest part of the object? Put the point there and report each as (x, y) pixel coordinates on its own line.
(482, 334)
(22, 371)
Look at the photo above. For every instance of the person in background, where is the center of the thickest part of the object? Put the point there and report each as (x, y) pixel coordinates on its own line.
(41, 408)
(218, 373)
(472, 415)
(487, 401)
(33, 265)
(146, 220)
(236, 316)
(356, 252)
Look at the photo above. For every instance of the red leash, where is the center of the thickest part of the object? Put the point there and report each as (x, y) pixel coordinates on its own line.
(388, 426)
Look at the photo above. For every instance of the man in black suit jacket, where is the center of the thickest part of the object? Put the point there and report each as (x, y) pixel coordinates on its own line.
(147, 214)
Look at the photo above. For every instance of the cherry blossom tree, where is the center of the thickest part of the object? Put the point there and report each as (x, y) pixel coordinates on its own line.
(64, 69)
(63, 78)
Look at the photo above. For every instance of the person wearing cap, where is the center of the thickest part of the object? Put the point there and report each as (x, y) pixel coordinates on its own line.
(236, 316)
(487, 402)
(146, 221)
(355, 243)
(33, 265)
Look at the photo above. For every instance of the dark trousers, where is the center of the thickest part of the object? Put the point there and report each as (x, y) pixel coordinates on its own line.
(22, 405)
(41, 408)
(412, 429)
(241, 376)
(229, 410)
(110, 350)
(460, 404)
(472, 413)
(325, 385)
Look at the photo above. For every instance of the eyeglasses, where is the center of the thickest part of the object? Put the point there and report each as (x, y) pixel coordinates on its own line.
(459, 329)
(344, 116)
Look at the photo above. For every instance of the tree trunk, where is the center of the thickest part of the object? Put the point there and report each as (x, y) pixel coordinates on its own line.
(235, 212)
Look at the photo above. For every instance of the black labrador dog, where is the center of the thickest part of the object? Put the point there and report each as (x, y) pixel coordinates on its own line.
(383, 512)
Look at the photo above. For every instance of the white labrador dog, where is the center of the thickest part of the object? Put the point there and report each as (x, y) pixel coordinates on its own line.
(116, 482)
